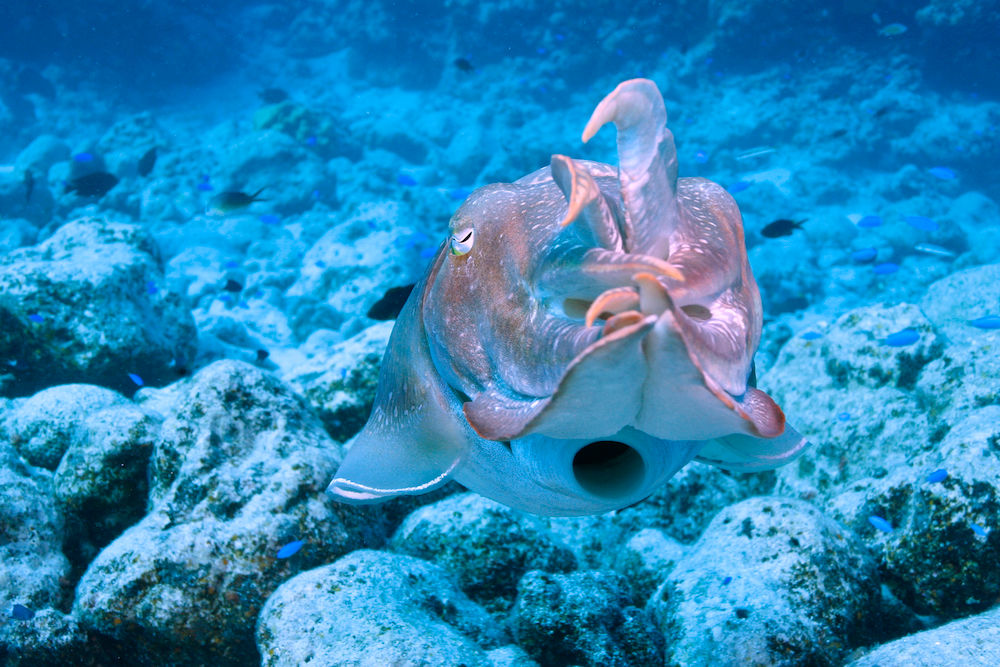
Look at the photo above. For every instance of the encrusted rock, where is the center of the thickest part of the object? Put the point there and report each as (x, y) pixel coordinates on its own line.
(32, 566)
(375, 608)
(238, 472)
(583, 618)
(43, 426)
(88, 305)
(484, 545)
(771, 581)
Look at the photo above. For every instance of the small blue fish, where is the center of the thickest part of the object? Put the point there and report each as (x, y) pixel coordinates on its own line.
(944, 173)
(885, 268)
(727, 581)
(738, 186)
(36, 318)
(864, 255)
(985, 322)
(844, 416)
(136, 379)
(270, 219)
(978, 530)
(231, 264)
(811, 335)
(870, 221)
(21, 613)
(205, 186)
(923, 223)
(880, 523)
(320, 264)
(311, 140)
(701, 157)
(83, 157)
(938, 475)
(459, 194)
(151, 287)
(290, 549)
(427, 253)
(406, 179)
(901, 338)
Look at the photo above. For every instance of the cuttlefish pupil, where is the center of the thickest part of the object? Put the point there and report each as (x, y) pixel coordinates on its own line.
(599, 339)
(461, 246)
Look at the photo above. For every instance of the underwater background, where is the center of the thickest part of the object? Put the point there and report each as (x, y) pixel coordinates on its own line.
(210, 214)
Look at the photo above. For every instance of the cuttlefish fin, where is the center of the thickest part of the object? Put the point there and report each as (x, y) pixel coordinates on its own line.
(745, 453)
(647, 161)
(586, 203)
(414, 438)
(596, 396)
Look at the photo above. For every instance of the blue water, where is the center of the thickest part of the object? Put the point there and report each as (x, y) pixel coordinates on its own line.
(183, 183)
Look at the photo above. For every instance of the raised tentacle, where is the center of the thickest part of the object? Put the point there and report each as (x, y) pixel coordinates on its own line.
(647, 162)
(586, 202)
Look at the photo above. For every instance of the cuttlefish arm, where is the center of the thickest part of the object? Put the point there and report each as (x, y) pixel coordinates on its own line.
(695, 226)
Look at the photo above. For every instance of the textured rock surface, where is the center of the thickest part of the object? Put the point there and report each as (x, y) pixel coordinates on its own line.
(101, 484)
(583, 618)
(238, 472)
(485, 546)
(833, 384)
(87, 305)
(374, 608)
(942, 555)
(349, 268)
(340, 381)
(771, 581)
(646, 559)
(971, 642)
(32, 565)
(48, 638)
(44, 426)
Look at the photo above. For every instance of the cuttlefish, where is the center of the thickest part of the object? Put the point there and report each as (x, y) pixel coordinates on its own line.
(584, 333)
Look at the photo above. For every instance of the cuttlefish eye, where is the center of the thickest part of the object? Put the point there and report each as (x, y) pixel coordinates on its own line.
(461, 241)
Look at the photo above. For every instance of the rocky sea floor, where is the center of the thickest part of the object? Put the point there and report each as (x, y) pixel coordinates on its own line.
(178, 387)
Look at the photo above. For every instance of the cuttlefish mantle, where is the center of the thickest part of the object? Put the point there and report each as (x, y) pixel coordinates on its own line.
(584, 333)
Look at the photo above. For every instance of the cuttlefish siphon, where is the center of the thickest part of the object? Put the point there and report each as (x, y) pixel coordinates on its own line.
(584, 333)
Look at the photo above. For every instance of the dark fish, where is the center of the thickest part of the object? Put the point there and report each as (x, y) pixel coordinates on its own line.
(464, 64)
(21, 613)
(231, 200)
(29, 185)
(388, 307)
(232, 286)
(837, 134)
(878, 113)
(782, 227)
(262, 355)
(272, 95)
(147, 162)
(95, 184)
